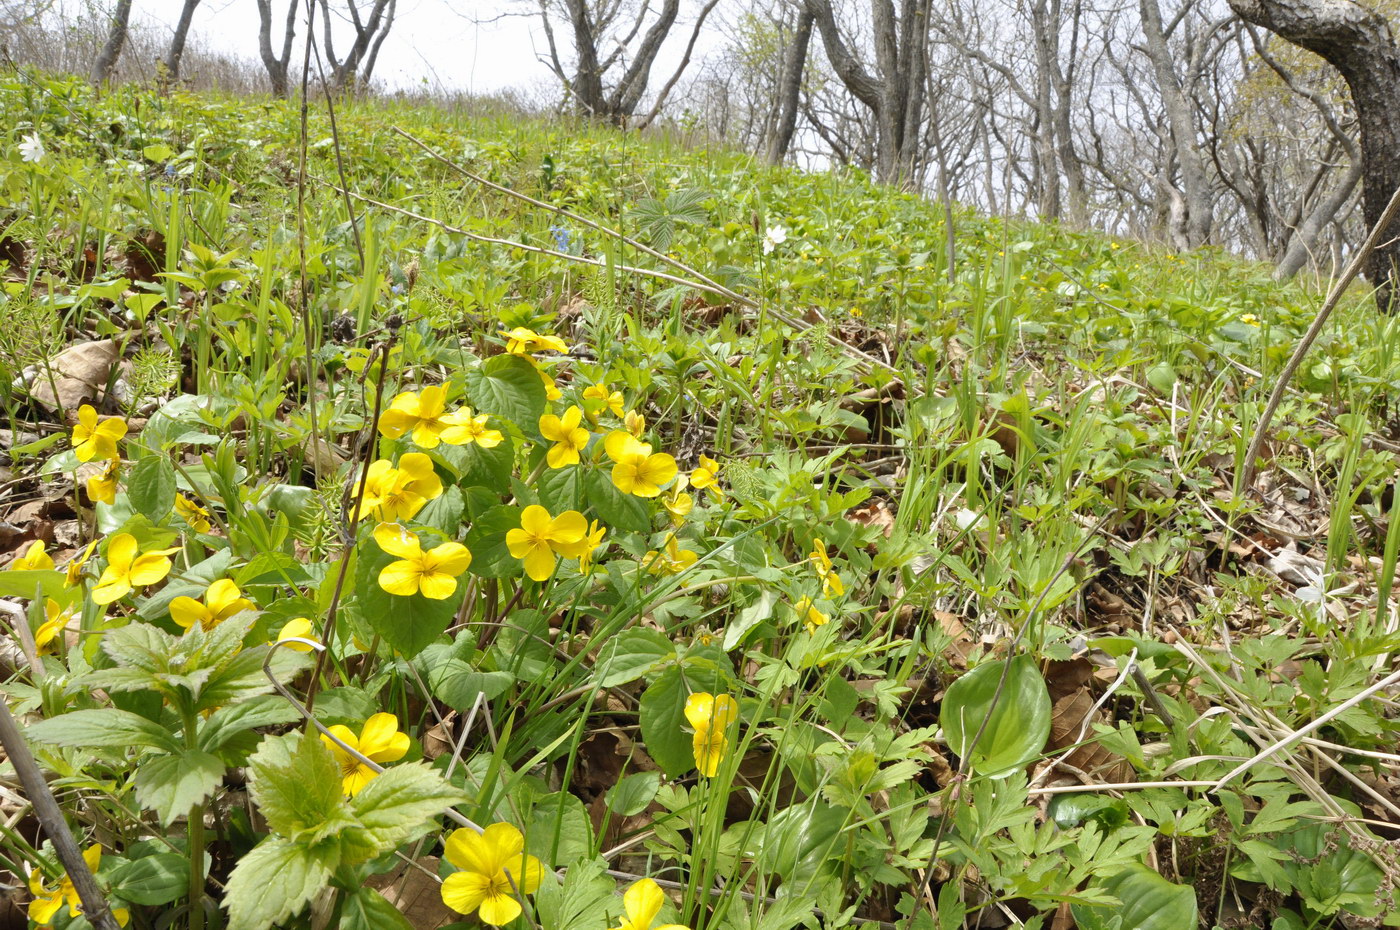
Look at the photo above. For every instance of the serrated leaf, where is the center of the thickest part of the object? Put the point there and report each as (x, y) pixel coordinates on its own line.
(226, 722)
(104, 727)
(275, 881)
(400, 804)
(561, 489)
(486, 539)
(296, 783)
(367, 909)
(457, 684)
(585, 899)
(169, 785)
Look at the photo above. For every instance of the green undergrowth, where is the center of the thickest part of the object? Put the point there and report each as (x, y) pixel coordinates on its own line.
(773, 561)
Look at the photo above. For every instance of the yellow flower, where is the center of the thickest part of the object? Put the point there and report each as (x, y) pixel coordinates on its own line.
(298, 628)
(128, 567)
(222, 600)
(103, 485)
(638, 470)
(73, 571)
(674, 561)
(494, 868)
(394, 494)
(379, 740)
(678, 503)
(634, 423)
(523, 341)
(94, 440)
(55, 619)
(34, 559)
(468, 429)
(809, 615)
(541, 536)
(423, 413)
(642, 901)
(47, 900)
(193, 514)
(432, 573)
(831, 580)
(707, 476)
(711, 716)
(1250, 319)
(551, 390)
(568, 437)
(601, 399)
(588, 545)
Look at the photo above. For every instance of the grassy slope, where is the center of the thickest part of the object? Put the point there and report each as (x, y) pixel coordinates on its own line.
(1053, 471)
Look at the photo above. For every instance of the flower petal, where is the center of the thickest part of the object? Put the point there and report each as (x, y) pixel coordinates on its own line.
(450, 558)
(499, 909)
(535, 520)
(539, 563)
(186, 611)
(436, 586)
(642, 901)
(567, 528)
(466, 850)
(395, 539)
(699, 709)
(401, 578)
(464, 891)
(378, 733)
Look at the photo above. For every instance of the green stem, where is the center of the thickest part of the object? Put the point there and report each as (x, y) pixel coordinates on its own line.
(195, 825)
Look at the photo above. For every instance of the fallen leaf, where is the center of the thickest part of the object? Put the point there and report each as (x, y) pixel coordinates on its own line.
(75, 376)
(417, 895)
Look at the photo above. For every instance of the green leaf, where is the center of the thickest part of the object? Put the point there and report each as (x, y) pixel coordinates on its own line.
(156, 879)
(401, 804)
(408, 624)
(103, 727)
(49, 582)
(559, 830)
(1162, 376)
(799, 839)
(662, 719)
(457, 684)
(1150, 902)
(367, 909)
(509, 387)
(631, 795)
(227, 722)
(1017, 721)
(486, 539)
(631, 654)
(479, 467)
(617, 510)
(585, 899)
(561, 489)
(275, 881)
(296, 783)
(170, 785)
(151, 487)
(750, 617)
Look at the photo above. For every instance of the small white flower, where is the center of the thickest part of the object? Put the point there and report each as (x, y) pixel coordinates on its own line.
(32, 149)
(774, 237)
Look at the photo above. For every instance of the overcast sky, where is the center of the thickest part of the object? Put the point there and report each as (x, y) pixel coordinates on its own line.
(452, 44)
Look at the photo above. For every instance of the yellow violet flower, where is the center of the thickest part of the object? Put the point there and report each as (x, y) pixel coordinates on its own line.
(472, 429)
(55, 619)
(821, 562)
(494, 868)
(678, 503)
(394, 494)
(221, 600)
(589, 545)
(432, 573)
(103, 485)
(634, 423)
(707, 476)
(297, 628)
(73, 571)
(525, 341)
(551, 390)
(93, 439)
(568, 437)
(34, 559)
(541, 536)
(809, 615)
(424, 414)
(47, 901)
(672, 562)
(379, 740)
(128, 567)
(193, 514)
(711, 716)
(602, 399)
(638, 470)
(642, 901)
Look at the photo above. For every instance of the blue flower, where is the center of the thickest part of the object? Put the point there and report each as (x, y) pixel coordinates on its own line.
(563, 239)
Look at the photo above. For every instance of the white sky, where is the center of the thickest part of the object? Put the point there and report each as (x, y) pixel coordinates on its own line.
(452, 44)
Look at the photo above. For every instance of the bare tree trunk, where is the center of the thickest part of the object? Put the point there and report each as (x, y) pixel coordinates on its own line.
(588, 77)
(1304, 238)
(1193, 223)
(1358, 43)
(275, 64)
(112, 49)
(177, 41)
(789, 88)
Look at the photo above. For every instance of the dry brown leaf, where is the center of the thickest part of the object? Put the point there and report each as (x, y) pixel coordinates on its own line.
(416, 895)
(1068, 717)
(876, 513)
(79, 375)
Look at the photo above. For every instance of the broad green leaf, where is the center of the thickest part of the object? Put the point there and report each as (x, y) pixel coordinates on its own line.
(1150, 902)
(561, 489)
(631, 654)
(559, 830)
(750, 617)
(48, 582)
(367, 909)
(457, 684)
(151, 487)
(401, 804)
(227, 722)
(275, 881)
(295, 781)
(486, 539)
(509, 387)
(586, 898)
(475, 466)
(105, 727)
(798, 839)
(1017, 720)
(169, 785)
(632, 794)
(408, 624)
(616, 510)
(663, 720)
(156, 879)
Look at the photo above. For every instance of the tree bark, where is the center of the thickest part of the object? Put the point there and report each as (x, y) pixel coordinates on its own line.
(588, 77)
(1359, 44)
(275, 64)
(176, 51)
(789, 89)
(112, 49)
